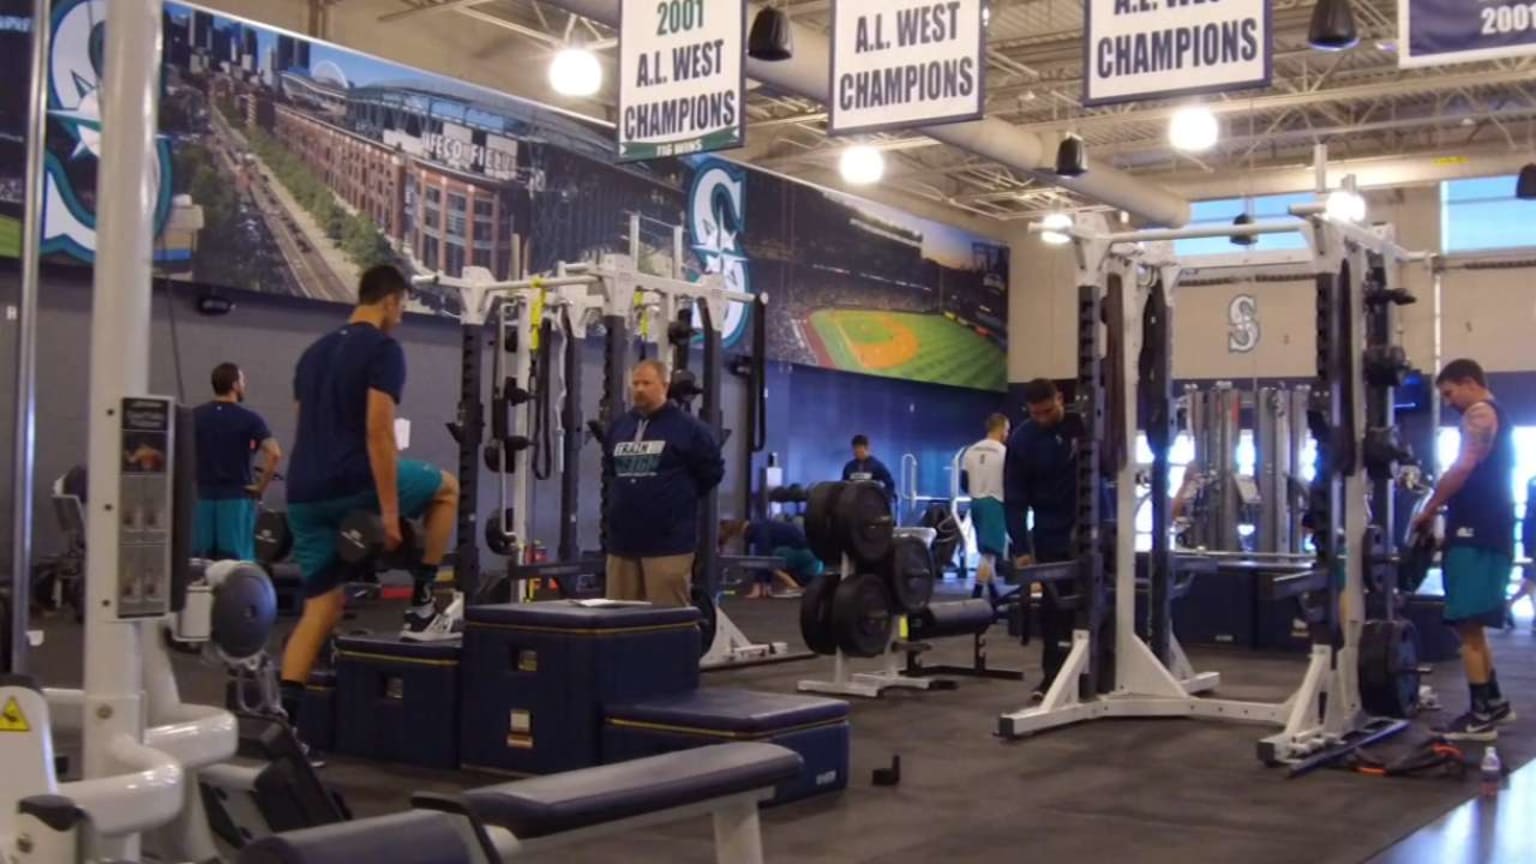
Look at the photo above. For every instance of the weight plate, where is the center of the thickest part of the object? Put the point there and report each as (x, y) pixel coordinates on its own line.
(820, 523)
(816, 614)
(863, 522)
(1389, 668)
(1414, 561)
(707, 617)
(861, 616)
(274, 540)
(910, 574)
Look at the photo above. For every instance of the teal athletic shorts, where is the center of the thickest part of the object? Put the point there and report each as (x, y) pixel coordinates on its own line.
(315, 523)
(1476, 580)
(801, 564)
(225, 528)
(991, 526)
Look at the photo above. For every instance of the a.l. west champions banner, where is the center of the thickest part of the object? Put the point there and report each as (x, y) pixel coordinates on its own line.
(288, 166)
(1155, 49)
(1433, 32)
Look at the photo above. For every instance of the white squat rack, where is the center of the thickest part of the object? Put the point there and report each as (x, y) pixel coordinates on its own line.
(1325, 710)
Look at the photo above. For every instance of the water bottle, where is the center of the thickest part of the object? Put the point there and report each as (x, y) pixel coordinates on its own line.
(1492, 771)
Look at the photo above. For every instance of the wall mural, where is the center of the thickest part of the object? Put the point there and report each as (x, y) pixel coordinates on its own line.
(288, 166)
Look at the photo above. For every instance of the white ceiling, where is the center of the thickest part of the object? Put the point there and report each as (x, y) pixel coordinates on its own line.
(1357, 102)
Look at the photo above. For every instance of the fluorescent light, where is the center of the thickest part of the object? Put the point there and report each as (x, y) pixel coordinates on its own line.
(575, 72)
(1345, 206)
(861, 165)
(1193, 129)
(1058, 221)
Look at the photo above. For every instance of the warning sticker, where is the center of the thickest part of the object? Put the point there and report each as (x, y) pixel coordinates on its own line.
(11, 719)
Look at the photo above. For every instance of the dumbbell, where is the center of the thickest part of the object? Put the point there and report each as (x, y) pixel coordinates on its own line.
(360, 542)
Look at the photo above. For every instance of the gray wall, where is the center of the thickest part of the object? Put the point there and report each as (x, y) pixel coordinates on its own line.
(266, 335)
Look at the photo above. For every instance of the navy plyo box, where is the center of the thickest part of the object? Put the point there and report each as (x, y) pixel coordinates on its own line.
(812, 726)
(536, 676)
(317, 712)
(398, 701)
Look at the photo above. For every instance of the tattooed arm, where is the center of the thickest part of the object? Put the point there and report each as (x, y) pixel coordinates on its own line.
(1479, 426)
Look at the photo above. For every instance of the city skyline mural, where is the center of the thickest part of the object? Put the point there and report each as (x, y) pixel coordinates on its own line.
(287, 166)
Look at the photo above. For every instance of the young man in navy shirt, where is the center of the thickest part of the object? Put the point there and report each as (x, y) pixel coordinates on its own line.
(659, 460)
(1040, 481)
(346, 387)
(227, 434)
(865, 467)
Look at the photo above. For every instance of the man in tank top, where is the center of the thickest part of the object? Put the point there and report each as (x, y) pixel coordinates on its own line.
(1479, 540)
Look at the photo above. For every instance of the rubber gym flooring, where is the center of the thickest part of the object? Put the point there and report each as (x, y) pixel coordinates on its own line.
(1126, 790)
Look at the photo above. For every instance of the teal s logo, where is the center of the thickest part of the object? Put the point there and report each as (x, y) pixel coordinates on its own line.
(74, 88)
(717, 220)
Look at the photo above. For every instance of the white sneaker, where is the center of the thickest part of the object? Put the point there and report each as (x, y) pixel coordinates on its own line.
(427, 624)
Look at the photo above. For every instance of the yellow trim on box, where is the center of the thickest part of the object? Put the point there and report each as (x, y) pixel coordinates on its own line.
(714, 733)
(620, 631)
(413, 661)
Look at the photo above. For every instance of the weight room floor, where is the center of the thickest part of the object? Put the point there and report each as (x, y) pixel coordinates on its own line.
(1130, 790)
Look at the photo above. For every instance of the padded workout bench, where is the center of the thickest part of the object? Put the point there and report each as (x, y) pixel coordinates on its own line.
(495, 823)
(972, 618)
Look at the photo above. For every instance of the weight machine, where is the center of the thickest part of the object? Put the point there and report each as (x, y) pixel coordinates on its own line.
(1111, 671)
(143, 747)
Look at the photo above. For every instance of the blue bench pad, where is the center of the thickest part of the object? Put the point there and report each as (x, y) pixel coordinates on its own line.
(725, 709)
(414, 837)
(542, 806)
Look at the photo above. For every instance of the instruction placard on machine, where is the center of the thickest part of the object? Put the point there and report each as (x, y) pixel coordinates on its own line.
(145, 509)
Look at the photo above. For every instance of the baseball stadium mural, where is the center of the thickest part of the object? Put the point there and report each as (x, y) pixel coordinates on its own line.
(288, 166)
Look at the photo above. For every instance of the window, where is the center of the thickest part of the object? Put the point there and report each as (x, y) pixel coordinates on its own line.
(434, 194)
(482, 258)
(453, 259)
(1222, 212)
(482, 234)
(484, 207)
(456, 202)
(429, 253)
(431, 218)
(1483, 214)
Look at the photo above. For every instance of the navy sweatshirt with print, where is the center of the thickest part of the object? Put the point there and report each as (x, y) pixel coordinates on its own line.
(659, 467)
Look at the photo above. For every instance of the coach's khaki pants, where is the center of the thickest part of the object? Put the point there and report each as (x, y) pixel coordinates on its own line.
(664, 580)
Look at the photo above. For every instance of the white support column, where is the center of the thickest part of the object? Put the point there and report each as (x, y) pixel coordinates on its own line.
(120, 325)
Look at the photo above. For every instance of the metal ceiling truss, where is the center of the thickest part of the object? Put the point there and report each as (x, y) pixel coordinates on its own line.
(1358, 102)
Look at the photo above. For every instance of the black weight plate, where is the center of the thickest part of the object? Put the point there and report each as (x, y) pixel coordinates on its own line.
(1389, 668)
(274, 540)
(910, 574)
(861, 616)
(1414, 561)
(707, 617)
(864, 523)
(821, 524)
(816, 614)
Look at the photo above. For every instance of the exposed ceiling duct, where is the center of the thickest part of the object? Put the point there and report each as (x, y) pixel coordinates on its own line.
(805, 74)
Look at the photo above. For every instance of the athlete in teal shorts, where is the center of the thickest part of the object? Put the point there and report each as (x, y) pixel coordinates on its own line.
(227, 433)
(983, 465)
(1479, 540)
(345, 458)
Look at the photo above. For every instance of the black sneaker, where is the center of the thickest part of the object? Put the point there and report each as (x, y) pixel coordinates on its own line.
(1471, 727)
(1502, 712)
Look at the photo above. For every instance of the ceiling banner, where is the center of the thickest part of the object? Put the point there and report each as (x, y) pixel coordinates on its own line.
(1433, 32)
(1154, 49)
(681, 77)
(899, 63)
